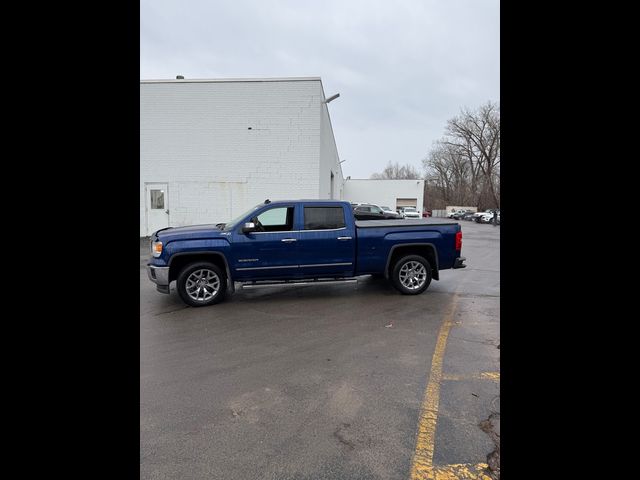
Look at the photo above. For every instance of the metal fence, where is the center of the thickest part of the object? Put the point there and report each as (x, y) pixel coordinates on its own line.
(439, 213)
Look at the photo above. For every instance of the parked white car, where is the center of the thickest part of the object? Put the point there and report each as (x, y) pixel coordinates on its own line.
(454, 212)
(487, 217)
(477, 217)
(411, 212)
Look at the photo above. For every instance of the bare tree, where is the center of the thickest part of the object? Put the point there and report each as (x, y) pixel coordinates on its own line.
(393, 171)
(463, 167)
(478, 135)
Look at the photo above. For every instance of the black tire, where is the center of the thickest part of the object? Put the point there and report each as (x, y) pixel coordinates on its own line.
(397, 282)
(205, 268)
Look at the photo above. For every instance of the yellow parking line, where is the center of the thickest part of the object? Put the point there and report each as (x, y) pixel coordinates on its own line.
(422, 464)
(495, 376)
(460, 471)
(422, 467)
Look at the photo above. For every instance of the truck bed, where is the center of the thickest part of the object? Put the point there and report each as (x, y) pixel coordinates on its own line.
(408, 222)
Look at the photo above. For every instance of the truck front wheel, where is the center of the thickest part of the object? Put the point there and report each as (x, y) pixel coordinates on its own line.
(201, 284)
(411, 275)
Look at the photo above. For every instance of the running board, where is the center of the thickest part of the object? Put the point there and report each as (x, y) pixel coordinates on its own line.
(297, 284)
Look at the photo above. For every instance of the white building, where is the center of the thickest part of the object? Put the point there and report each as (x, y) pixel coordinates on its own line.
(388, 193)
(211, 149)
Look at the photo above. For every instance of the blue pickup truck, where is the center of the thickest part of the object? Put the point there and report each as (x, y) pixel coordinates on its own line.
(299, 242)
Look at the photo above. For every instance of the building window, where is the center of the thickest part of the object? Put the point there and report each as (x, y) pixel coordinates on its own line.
(157, 199)
(323, 218)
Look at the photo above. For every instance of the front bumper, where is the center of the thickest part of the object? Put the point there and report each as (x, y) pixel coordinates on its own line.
(459, 262)
(159, 276)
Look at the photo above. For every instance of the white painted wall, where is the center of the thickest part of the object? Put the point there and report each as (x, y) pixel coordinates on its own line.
(329, 161)
(194, 135)
(384, 192)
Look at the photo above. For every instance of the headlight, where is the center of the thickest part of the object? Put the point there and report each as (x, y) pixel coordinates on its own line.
(156, 249)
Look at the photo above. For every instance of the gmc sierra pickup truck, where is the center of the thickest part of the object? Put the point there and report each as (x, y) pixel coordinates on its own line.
(284, 243)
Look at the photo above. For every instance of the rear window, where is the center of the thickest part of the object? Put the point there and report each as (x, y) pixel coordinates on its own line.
(323, 218)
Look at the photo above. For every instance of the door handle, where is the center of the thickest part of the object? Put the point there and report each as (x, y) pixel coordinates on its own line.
(287, 240)
(344, 238)
(167, 212)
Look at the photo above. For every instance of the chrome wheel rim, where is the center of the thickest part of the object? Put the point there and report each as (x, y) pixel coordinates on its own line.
(202, 285)
(413, 275)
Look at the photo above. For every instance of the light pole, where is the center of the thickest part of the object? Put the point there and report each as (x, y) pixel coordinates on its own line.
(331, 98)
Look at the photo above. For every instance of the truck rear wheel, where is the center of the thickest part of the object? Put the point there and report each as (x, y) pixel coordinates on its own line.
(201, 284)
(411, 275)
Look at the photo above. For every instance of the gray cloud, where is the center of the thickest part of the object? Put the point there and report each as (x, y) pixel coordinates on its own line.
(402, 68)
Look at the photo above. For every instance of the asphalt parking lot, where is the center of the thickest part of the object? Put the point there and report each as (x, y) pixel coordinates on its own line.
(332, 382)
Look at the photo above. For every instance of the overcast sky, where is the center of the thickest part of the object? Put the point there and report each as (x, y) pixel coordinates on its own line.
(402, 68)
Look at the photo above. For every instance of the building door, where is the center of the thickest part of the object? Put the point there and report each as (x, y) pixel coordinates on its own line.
(157, 206)
(406, 202)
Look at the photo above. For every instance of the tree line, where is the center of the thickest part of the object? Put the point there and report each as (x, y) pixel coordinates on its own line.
(463, 167)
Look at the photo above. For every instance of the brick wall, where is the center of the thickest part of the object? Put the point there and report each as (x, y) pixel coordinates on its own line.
(225, 146)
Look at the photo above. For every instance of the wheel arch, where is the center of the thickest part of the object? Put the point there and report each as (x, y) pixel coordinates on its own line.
(424, 249)
(179, 260)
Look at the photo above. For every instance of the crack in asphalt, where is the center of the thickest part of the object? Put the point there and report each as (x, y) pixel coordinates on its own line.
(340, 436)
(170, 311)
(493, 458)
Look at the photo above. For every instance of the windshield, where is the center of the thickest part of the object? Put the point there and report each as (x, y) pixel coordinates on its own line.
(233, 223)
(409, 209)
(385, 208)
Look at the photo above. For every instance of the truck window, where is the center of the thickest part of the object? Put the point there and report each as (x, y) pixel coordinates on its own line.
(323, 218)
(278, 219)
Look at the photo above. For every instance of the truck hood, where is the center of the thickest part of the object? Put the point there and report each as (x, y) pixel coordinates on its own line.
(190, 232)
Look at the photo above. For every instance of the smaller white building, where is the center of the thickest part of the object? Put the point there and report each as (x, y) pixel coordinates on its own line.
(388, 193)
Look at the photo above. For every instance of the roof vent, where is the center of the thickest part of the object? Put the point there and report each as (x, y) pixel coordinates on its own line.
(179, 77)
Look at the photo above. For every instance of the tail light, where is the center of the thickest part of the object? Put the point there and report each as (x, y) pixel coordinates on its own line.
(459, 240)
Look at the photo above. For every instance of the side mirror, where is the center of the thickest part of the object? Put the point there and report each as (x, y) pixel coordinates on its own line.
(248, 227)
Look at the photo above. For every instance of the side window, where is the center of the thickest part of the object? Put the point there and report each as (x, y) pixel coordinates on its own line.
(323, 218)
(157, 199)
(279, 219)
(376, 210)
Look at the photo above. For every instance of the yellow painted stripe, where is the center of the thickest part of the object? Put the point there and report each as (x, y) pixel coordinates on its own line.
(460, 471)
(422, 464)
(493, 376)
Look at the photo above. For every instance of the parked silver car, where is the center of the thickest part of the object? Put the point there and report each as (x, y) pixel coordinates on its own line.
(388, 210)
